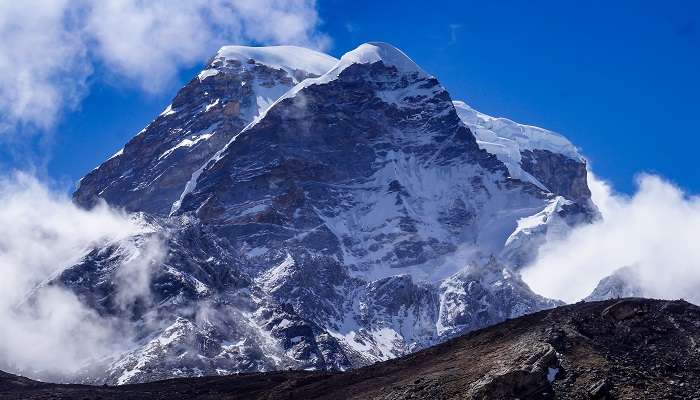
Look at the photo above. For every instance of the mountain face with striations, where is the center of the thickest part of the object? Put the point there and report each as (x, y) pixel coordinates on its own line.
(306, 212)
(149, 173)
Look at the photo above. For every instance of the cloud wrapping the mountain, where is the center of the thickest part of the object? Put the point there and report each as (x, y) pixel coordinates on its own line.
(654, 231)
(133, 279)
(51, 47)
(49, 329)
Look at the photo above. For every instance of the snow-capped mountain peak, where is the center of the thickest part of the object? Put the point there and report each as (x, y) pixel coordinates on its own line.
(365, 54)
(235, 88)
(332, 213)
(288, 58)
(372, 52)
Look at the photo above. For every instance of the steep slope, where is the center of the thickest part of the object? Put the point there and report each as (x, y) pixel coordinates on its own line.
(239, 83)
(364, 157)
(523, 148)
(353, 219)
(545, 159)
(621, 349)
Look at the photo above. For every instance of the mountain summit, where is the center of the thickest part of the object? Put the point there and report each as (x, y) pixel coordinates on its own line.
(321, 214)
(372, 52)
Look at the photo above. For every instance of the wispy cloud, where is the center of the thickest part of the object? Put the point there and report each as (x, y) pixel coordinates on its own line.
(652, 231)
(43, 62)
(454, 28)
(50, 47)
(49, 331)
(351, 27)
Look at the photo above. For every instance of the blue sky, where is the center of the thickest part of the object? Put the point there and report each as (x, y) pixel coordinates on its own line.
(620, 81)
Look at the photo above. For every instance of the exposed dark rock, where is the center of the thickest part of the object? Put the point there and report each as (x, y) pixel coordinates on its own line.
(561, 175)
(153, 168)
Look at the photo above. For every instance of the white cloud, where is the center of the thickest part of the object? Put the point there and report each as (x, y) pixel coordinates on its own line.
(49, 329)
(655, 231)
(133, 279)
(50, 47)
(453, 33)
(43, 63)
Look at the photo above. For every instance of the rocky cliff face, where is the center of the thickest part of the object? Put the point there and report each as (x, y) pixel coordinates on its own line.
(152, 169)
(544, 159)
(326, 223)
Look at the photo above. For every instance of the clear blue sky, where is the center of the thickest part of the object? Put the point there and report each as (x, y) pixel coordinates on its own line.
(619, 79)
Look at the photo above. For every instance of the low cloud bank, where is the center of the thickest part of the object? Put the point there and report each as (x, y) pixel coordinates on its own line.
(47, 331)
(655, 231)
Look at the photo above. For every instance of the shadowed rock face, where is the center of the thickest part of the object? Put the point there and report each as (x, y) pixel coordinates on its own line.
(316, 155)
(561, 175)
(151, 171)
(616, 349)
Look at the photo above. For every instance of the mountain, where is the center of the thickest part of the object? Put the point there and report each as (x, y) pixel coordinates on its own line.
(616, 349)
(623, 282)
(323, 214)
